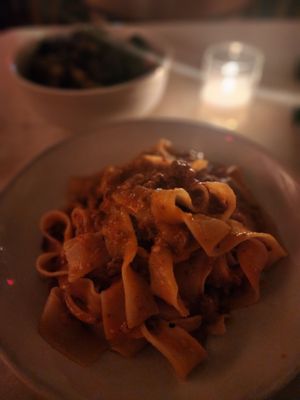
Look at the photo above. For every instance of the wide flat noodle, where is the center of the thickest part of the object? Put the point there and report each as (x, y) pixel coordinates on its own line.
(114, 321)
(199, 195)
(156, 160)
(253, 259)
(208, 231)
(191, 276)
(51, 265)
(139, 301)
(119, 235)
(84, 253)
(113, 310)
(200, 164)
(164, 208)
(224, 195)
(163, 147)
(163, 282)
(56, 227)
(83, 301)
(179, 240)
(182, 350)
(82, 221)
(66, 334)
(238, 234)
(167, 312)
(189, 324)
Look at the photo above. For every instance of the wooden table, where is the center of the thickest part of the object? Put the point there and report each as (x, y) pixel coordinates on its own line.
(269, 122)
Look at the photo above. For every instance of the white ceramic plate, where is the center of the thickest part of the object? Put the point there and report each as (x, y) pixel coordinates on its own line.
(259, 353)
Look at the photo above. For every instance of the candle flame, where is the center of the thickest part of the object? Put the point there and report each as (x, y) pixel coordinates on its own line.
(230, 69)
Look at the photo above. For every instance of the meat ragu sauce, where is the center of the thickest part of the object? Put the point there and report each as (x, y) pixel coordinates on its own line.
(159, 250)
(147, 172)
(134, 182)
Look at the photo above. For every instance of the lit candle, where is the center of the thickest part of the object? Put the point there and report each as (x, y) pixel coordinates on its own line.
(231, 72)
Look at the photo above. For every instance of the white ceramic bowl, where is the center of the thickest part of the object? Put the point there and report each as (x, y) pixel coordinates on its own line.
(261, 348)
(84, 109)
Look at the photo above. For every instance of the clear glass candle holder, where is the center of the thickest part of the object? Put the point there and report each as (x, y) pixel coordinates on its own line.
(231, 71)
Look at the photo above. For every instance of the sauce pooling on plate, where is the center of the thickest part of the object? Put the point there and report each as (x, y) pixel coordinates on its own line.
(87, 59)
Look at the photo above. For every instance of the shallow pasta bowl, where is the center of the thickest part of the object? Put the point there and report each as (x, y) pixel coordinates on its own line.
(261, 349)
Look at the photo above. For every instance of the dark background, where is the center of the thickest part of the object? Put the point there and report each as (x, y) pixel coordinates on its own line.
(32, 12)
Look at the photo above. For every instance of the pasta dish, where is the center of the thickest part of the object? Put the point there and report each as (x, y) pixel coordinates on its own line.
(158, 251)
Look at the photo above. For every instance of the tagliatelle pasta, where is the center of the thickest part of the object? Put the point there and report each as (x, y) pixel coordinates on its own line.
(157, 251)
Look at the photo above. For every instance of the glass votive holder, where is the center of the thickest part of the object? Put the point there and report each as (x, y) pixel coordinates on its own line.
(231, 71)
